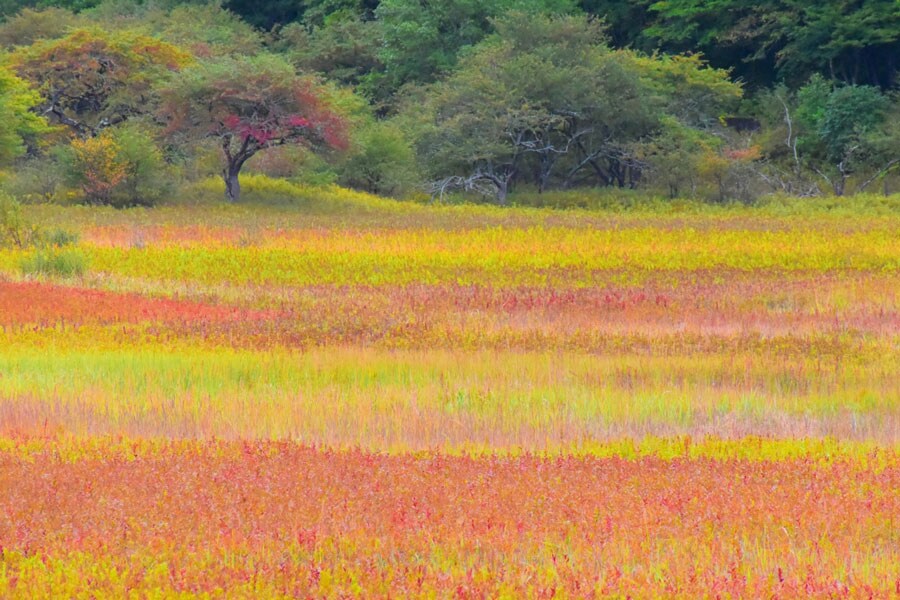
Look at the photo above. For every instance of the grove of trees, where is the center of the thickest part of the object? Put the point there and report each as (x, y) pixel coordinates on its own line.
(120, 101)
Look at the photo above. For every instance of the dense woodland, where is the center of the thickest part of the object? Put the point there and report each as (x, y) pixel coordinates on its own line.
(124, 103)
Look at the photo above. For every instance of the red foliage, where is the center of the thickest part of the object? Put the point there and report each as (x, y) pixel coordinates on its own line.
(45, 304)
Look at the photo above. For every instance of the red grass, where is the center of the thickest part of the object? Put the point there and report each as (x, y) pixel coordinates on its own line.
(49, 305)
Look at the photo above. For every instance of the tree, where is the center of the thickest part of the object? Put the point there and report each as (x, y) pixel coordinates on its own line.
(381, 160)
(345, 50)
(853, 42)
(517, 103)
(422, 40)
(837, 127)
(204, 29)
(90, 79)
(30, 25)
(546, 102)
(248, 105)
(827, 133)
(19, 125)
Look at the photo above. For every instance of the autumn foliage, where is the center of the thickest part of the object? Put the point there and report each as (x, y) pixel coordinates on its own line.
(90, 79)
(247, 106)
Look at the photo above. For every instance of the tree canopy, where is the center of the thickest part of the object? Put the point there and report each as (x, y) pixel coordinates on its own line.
(546, 101)
(90, 79)
(247, 105)
(726, 99)
(19, 125)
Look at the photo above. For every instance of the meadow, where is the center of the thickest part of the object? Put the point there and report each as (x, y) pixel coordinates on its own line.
(344, 396)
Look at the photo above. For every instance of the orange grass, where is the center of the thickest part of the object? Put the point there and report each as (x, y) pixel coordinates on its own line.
(279, 519)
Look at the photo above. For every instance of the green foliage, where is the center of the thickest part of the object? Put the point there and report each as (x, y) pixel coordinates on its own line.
(691, 92)
(16, 231)
(837, 135)
(345, 50)
(121, 167)
(50, 253)
(851, 113)
(54, 261)
(852, 41)
(837, 125)
(36, 180)
(381, 161)
(32, 25)
(423, 40)
(677, 156)
(205, 29)
(18, 124)
(60, 238)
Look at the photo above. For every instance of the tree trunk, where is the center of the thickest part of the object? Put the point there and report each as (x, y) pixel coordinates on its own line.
(232, 183)
(502, 191)
(840, 184)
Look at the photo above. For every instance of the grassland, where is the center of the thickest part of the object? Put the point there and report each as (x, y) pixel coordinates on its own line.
(352, 397)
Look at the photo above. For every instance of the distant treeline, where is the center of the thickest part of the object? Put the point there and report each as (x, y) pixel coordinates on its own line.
(724, 100)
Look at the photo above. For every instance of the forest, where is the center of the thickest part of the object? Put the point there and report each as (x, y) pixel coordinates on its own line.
(124, 103)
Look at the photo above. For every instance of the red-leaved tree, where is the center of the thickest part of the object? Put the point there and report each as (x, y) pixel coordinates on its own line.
(248, 105)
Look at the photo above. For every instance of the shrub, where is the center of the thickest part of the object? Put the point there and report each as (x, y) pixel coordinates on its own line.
(54, 261)
(382, 161)
(36, 180)
(60, 238)
(16, 230)
(120, 167)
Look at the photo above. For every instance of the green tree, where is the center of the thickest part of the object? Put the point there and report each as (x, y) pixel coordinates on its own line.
(204, 29)
(19, 125)
(422, 40)
(381, 160)
(30, 25)
(854, 42)
(345, 50)
(838, 128)
(827, 133)
(546, 102)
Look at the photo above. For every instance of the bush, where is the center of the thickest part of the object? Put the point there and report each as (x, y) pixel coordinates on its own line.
(59, 238)
(54, 261)
(120, 167)
(382, 161)
(53, 251)
(36, 180)
(15, 230)
(31, 25)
